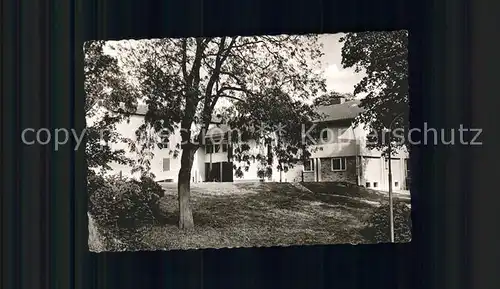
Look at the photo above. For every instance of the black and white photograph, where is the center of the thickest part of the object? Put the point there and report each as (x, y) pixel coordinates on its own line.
(247, 141)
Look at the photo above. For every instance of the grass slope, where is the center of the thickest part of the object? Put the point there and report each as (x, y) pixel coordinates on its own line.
(353, 191)
(261, 214)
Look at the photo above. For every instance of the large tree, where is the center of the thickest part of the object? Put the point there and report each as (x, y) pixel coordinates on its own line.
(383, 56)
(253, 84)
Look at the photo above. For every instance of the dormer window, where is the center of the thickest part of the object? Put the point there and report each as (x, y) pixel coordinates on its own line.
(324, 135)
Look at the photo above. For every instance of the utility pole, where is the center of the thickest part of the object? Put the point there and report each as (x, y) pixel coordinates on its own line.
(391, 214)
(303, 160)
(279, 159)
(389, 151)
(359, 160)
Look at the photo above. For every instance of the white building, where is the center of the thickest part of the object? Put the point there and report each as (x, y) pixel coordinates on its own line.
(344, 157)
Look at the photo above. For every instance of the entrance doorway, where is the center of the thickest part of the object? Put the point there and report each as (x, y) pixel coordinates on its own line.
(220, 172)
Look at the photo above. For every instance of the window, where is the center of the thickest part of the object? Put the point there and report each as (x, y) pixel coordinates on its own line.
(375, 184)
(367, 184)
(308, 165)
(216, 148)
(209, 149)
(224, 148)
(338, 164)
(396, 184)
(166, 165)
(165, 143)
(324, 136)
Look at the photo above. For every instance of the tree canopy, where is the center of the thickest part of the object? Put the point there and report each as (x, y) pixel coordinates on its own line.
(383, 56)
(249, 83)
(104, 88)
(255, 85)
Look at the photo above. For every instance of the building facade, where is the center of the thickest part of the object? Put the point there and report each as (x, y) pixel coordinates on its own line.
(340, 155)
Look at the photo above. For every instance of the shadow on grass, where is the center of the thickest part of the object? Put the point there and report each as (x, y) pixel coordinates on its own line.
(272, 216)
(351, 190)
(269, 208)
(269, 215)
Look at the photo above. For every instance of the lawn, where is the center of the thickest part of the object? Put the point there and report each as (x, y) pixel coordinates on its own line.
(261, 214)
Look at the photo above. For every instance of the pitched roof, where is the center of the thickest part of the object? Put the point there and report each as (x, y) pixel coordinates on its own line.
(344, 111)
(218, 130)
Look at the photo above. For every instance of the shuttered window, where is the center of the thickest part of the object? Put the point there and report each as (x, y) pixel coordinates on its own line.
(166, 165)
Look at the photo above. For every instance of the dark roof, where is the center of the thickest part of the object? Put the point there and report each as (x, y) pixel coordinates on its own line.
(344, 111)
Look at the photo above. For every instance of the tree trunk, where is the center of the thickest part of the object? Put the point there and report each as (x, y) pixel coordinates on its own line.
(184, 189)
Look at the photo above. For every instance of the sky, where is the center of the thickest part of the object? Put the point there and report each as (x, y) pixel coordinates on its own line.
(337, 78)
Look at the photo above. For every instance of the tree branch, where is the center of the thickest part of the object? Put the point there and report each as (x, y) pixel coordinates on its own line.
(184, 59)
(233, 76)
(216, 70)
(194, 75)
(247, 44)
(249, 63)
(231, 97)
(242, 89)
(222, 54)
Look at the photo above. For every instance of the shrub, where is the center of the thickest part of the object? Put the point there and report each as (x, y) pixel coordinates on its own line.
(124, 203)
(94, 181)
(148, 185)
(154, 191)
(124, 207)
(378, 225)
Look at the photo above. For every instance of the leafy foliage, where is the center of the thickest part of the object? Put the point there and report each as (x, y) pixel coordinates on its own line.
(248, 83)
(121, 206)
(275, 120)
(244, 82)
(384, 58)
(105, 89)
(378, 226)
(149, 186)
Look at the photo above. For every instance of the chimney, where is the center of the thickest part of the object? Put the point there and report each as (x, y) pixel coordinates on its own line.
(338, 100)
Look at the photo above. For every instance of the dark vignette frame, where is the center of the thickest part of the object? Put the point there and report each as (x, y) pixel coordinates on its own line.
(44, 225)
